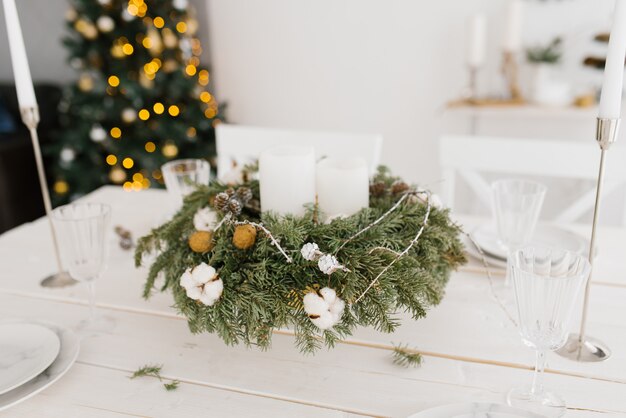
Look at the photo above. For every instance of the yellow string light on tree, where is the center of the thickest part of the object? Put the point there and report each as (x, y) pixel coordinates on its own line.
(190, 70)
(117, 175)
(128, 163)
(205, 96)
(115, 132)
(203, 77)
(137, 186)
(173, 110)
(128, 186)
(158, 108)
(150, 146)
(170, 150)
(114, 81)
(158, 22)
(144, 114)
(61, 187)
(111, 159)
(191, 132)
(181, 27)
(128, 49)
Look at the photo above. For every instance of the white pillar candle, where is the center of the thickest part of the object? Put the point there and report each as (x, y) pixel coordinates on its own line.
(611, 97)
(21, 70)
(287, 179)
(342, 186)
(476, 40)
(513, 30)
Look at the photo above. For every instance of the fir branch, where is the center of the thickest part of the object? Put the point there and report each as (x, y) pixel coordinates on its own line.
(263, 292)
(173, 385)
(152, 370)
(406, 357)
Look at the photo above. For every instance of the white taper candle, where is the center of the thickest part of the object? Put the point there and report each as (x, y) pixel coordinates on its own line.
(611, 97)
(513, 31)
(476, 40)
(21, 70)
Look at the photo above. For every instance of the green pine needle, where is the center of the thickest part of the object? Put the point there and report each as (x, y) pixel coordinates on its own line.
(153, 370)
(406, 357)
(173, 385)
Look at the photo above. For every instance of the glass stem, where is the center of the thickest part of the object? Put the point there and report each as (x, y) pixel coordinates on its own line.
(540, 365)
(92, 300)
(508, 280)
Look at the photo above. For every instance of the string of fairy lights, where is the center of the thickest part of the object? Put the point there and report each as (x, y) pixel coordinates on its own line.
(177, 30)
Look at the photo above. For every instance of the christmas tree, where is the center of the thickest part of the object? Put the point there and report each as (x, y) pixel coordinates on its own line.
(140, 98)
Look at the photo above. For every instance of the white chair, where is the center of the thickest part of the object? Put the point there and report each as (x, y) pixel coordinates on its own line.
(470, 157)
(243, 144)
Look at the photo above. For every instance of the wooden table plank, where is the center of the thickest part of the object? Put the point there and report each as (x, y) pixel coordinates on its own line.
(92, 392)
(353, 379)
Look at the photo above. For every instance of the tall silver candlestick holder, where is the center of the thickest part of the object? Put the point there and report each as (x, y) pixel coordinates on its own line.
(580, 347)
(30, 117)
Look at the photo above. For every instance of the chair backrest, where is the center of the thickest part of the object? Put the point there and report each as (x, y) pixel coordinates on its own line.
(243, 144)
(469, 157)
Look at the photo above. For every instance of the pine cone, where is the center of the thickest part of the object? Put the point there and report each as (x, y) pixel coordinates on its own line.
(230, 192)
(378, 189)
(244, 194)
(399, 187)
(234, 207)
(221, 201)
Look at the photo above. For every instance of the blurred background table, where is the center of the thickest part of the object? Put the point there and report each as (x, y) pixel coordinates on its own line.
(472, 352)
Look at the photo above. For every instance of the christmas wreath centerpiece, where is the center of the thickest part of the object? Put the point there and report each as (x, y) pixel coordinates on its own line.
(241, 273)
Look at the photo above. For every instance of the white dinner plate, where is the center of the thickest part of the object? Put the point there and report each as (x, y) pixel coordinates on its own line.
(68, 352)
(25, 351)
(471, 249)
(475, 410)
(545, 235)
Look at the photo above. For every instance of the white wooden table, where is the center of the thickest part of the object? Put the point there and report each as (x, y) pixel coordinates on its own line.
(471, 351)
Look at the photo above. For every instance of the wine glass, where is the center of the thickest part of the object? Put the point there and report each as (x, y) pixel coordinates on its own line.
(182, 176)
(83, 230)
(546, 282)
(517, 204)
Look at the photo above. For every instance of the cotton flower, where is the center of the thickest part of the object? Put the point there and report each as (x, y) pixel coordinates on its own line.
(204, 219)
(310, 251)
(202, 283)
(324, 308)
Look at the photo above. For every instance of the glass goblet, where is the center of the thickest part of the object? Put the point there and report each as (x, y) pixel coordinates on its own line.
(517, 204)
(182, 176)
(547, 282)
(83, 230)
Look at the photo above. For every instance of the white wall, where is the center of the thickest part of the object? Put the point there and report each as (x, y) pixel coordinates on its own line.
(385, 66)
